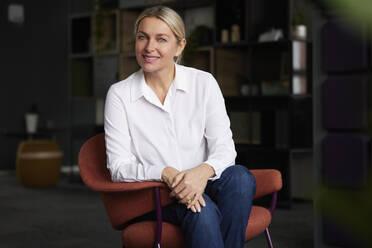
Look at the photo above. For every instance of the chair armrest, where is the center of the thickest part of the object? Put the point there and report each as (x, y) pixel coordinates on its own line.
(108, 186)
(267, 181)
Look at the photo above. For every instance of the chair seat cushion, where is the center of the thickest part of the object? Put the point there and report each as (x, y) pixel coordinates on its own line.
(142, 235)
(259, 219)
(137, 235)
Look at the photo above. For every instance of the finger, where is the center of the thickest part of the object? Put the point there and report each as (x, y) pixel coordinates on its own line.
(178, 189)
(186, 192)
(187, 199)
(197, 207)
(193, 209)
(177, 179)
(202, 201)
(194, 199)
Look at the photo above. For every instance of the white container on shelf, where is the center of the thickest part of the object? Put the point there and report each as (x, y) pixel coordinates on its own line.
(31, 122)
(299, 55)
(299, 32)
(299, 85)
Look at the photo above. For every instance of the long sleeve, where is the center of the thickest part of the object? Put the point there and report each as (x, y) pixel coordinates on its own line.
(122, 163)
(221, 149)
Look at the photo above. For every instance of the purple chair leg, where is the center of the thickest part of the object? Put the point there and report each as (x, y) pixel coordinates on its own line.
(272, 209)
(159, 218)
(268, 238)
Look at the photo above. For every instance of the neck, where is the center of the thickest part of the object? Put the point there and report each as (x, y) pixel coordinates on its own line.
(160, 81)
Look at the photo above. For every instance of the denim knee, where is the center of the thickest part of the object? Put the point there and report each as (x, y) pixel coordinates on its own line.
(240, 178)
(209, 215)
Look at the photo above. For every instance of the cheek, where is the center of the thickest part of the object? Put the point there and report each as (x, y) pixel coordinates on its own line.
(138, 50)
(169, 51)
(138, 47)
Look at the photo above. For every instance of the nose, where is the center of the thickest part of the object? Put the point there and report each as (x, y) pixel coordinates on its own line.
(150, 46)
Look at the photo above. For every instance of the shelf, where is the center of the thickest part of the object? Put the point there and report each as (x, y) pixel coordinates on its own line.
(240, 44)
(191, 4)
(249, 103)
(260, 149)
(243, 101)
(258, 44)
(80, 55)
(81, 6)
(81, 15)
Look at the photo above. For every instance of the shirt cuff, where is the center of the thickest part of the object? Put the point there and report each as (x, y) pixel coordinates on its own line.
(217, 167)
(154, 172)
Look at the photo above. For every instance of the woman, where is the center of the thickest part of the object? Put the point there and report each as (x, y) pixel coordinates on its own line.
(168, 122)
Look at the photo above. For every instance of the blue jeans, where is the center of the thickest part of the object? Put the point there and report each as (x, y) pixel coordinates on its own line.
(223, 221)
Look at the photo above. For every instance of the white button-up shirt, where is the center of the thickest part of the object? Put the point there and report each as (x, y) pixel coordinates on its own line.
(144, 136)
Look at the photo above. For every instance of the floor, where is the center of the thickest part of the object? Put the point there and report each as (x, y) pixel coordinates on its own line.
(70, 215)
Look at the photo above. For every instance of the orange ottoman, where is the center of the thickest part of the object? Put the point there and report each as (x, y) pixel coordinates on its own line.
(38, 163)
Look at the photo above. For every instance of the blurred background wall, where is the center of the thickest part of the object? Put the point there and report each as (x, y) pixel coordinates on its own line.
(33, 58)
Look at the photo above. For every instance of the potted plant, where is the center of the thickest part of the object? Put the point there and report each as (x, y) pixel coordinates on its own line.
(201, 35)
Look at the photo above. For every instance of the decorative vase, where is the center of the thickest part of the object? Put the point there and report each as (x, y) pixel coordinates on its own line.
(31, 122)
(299, 31)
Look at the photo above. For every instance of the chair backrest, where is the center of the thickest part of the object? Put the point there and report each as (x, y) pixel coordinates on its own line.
(92, 162)
(123, 201)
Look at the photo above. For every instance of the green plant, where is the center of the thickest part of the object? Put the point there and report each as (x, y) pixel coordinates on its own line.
(101, 9)
(195, 39)
(98, 21)
(298, 19)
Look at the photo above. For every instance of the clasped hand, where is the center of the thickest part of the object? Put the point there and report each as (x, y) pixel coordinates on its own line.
(188, 185)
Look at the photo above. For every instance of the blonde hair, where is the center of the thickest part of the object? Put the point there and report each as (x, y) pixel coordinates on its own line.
(170, 17)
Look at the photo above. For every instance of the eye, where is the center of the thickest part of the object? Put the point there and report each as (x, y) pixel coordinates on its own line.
(140, 37)
(162, 40)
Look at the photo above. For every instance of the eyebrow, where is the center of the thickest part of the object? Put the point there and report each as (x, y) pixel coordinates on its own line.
(156, 34)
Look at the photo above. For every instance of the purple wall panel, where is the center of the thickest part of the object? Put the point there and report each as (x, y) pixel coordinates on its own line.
(336, 234)
(345, 102)
(345, 160)
(344, 49)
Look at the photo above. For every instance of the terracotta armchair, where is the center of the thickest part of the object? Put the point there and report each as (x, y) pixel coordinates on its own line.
(125, 201)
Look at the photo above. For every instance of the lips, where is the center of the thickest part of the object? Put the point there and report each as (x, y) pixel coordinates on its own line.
(150, 59)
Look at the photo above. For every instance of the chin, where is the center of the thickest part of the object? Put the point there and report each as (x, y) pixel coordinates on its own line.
(150, 69)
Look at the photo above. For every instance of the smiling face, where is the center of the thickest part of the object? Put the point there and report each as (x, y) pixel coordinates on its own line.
(156, 46)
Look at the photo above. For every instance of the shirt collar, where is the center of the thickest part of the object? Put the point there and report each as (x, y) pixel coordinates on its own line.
(139, 83)
(180, 79)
